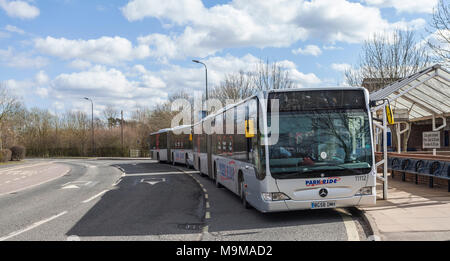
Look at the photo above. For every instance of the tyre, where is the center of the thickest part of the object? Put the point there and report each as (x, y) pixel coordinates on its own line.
(216, 180)
(243, 197)
(186, 162)
(200, 168)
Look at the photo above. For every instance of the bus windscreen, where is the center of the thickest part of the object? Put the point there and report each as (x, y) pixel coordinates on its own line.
(326, 138)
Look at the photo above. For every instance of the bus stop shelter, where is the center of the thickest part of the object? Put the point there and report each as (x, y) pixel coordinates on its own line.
(424, 95)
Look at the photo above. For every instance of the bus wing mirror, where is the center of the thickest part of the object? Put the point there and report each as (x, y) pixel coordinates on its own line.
(389, 115)
(250, 129)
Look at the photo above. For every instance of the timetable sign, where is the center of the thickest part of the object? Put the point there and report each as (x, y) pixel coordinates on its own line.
(431, 140)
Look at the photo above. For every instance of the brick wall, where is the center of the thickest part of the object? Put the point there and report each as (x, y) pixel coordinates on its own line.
(415, 138)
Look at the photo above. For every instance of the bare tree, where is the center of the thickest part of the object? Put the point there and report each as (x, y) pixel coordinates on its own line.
(386, 58)
(264, 76)
(110, 115)
(270, 76)
(235, 86)
(9, 105)
(439, 28)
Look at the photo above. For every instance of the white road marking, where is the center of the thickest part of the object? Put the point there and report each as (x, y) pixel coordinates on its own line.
(205, 229)
(350, 227)
(152, 181)
(13, 234)
(117, 182)
(153, 174)
(96, 196)
(70, 187)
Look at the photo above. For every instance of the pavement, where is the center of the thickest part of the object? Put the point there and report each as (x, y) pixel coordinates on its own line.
(14, 178)
(411, 213)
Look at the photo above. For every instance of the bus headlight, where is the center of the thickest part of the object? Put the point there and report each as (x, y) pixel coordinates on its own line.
(274, 196)
(364, 191)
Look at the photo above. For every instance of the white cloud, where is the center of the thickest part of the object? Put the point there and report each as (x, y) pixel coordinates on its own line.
(177, 10)
(4, 35)
(332, 47)
(340, 67)
(253, 23)
(304, 79)
(108, 86)
(11, 58)
(80, 64)
(41, 78)
(408, 6)
(105, 50)
(309, 50)
(14, 29)
(19, 9)
(415, 24)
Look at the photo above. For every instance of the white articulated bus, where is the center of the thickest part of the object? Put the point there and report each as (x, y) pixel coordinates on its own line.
(292, 149)
(160, 145)
(181, 145)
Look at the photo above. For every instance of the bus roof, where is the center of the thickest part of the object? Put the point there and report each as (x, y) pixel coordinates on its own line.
(264, 94)
(161, 131)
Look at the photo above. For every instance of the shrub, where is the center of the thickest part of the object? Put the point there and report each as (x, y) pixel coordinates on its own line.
(17, 153)
(5, 155)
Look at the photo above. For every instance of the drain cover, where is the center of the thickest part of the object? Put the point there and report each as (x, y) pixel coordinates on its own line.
(190, 226)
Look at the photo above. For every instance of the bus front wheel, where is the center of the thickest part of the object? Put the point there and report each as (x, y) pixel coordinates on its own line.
(243, 197)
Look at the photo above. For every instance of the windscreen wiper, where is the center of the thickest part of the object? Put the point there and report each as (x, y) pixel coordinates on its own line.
(345, 168)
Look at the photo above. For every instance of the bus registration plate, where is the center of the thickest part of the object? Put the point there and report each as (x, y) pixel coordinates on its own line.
(323, 204)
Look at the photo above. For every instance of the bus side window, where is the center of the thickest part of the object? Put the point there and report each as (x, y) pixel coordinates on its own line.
(240, 142)
(252, 143)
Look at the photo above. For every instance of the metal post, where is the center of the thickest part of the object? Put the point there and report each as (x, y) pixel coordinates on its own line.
(384, 161)
(92, 124)
(121, 132)
(385, 165)
(206, 72)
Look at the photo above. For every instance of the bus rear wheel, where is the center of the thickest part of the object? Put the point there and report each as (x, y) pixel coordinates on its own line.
(216, 180)
(186, 162)
(200, 168)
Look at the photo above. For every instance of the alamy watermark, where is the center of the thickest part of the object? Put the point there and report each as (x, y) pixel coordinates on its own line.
(228, 118)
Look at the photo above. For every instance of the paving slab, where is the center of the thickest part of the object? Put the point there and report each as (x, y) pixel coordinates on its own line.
(411, 212)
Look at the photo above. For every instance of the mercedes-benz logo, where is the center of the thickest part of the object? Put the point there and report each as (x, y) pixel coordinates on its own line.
(323, 192)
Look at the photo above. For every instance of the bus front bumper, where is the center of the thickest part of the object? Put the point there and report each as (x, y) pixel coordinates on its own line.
(289, 205)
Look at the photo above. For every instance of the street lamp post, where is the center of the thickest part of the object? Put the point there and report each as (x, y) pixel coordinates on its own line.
(92, 124)
(206, 70)
(208, 140)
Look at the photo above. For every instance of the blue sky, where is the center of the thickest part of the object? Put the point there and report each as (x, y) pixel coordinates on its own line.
(134, 53)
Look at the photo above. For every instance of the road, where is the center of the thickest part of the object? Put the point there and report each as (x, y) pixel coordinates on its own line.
(145, 200)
